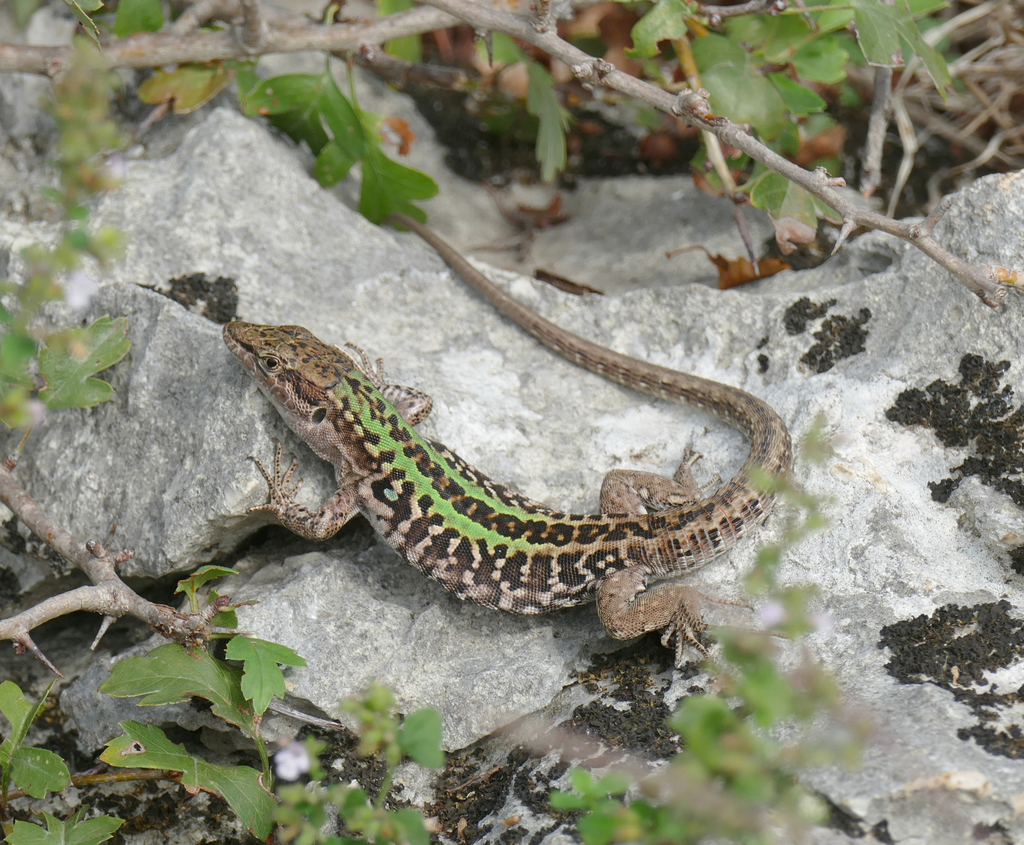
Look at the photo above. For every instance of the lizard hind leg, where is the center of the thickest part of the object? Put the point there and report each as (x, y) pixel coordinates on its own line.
(634, 491)
(629, 608)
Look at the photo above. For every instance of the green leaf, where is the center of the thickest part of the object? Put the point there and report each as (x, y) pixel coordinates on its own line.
(420, 737)
(138, 16)
(68, 373)
(332, 165)
(17, 709)
(389, 187)
(81, 9)
(542, 102)
(148, 747)
(191, 585)
(39, 771)
(926, 7)
(246, 80)
(410, 821)
(503, 48)
(823, 60)
(662, 23)
(800, 101)
(881, 27)
(344, 120)
(782, 198)
(409, 47)
(598, 829)
(738, 90)
(294, 102)
(188, 87)
(74, 831)
(261, 678)
(17, 348)
(561, 800)
(170, 674)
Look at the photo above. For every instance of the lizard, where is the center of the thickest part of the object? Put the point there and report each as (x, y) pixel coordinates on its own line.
(481, 540)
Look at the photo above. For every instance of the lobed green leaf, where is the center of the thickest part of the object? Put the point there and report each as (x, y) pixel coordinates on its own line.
(169, 674)
(882, 29)
(262, 678)
(73, 831)
(147, 747)
(542, 102)
(191, 585)
(662, 23)
(390, 187)
(420, 737)
(138, 16)
(68, 372)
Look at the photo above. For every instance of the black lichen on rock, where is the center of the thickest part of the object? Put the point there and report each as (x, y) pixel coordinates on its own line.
(975, 413)
(955, 648)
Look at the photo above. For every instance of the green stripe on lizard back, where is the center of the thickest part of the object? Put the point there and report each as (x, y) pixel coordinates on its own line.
(479, 539)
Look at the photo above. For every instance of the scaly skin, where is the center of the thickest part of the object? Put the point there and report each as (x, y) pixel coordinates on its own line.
(480, 540)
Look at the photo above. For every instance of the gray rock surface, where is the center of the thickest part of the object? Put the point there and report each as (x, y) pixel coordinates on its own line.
(166, 459)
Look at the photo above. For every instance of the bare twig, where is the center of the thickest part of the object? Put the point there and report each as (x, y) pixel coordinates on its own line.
(152, 50)
(987, 281)
(400, 72)
(200, 12)
(753, 7)
(871, 172)
(145, 50)
(253, 29)
(108, 596)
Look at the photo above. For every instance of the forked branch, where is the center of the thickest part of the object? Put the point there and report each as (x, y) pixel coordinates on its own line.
(261, 32)
(108, 596)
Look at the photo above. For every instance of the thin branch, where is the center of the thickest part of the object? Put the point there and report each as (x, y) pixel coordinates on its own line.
(200, 12)
(146, 50)
(253, 29)
(108, 596)
(753, 7)
(987, 281)
(871, 171)
(153, 50)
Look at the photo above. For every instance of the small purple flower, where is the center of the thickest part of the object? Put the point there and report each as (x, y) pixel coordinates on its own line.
(771, 613)
(117, 166)
(36, 411)
(79, 290)
(291, 762)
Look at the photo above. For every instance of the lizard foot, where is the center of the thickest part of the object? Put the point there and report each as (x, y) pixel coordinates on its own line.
(281, 493)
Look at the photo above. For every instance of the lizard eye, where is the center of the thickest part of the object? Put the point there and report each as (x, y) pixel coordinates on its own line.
(270, 363)
(318, 415)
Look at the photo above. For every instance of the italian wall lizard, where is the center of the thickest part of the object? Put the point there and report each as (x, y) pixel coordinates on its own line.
(481, 540)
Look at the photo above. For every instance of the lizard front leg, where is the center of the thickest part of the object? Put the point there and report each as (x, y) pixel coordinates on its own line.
(319, 525)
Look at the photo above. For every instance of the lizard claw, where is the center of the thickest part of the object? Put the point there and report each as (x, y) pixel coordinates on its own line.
(281, 492)
(688, 627)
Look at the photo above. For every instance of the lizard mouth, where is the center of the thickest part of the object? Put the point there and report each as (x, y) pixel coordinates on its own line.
(234, 339)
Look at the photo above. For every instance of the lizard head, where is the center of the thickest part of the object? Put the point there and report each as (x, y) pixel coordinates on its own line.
(298, 373)
(286, 361)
